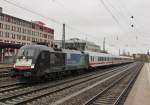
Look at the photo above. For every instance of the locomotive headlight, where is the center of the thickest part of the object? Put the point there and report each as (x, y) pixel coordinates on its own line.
(32, 66)
(14, 65)
(23, 57)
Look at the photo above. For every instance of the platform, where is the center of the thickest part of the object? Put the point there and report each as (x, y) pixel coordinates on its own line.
(6, 65)
(140, 93)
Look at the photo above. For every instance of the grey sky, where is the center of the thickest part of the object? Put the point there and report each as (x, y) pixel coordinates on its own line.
(91, 20)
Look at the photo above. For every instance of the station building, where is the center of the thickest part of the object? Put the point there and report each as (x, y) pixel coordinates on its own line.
(78, 44)
(15, 32)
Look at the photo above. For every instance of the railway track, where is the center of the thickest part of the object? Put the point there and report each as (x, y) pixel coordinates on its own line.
(4, 72)
(107, 92)
(14, 85)
(33, 93)
(113, 94)
(4, 76)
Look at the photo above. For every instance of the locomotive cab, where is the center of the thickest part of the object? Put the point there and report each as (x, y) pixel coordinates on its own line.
(25, 59)
(25, 62)
(37, 61)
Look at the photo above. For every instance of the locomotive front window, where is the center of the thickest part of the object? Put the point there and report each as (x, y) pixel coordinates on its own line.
(25, 53)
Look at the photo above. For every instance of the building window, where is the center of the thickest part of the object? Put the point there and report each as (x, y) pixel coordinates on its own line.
(13, 36)
(45, 35)
(7, 27)
(23, 37)
(1, 17)
(13, 42)
(1, 34)
(18, 42)
(28, 38)
(1, 25)
(6, 41)
(12, 28)
(17, 29)
(6, 34)
(29, 31)
(19, 37)
(40, 34)
(20, 30)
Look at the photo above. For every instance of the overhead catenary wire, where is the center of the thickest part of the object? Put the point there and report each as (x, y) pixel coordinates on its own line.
(131, 15)
(119, 12)
(38, 14)
(53, 20)
(134, 29)
(112, 15)
(33, 12)
(71, 27)
(48, 18)
(122, 13)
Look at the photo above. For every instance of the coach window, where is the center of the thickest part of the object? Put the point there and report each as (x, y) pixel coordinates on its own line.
(107, 59)
(100, 58)
(103, 58)
(110, 59)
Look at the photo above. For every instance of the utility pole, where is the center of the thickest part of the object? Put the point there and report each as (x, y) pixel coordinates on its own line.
(104, 44)
(63, 37)
(148, 52)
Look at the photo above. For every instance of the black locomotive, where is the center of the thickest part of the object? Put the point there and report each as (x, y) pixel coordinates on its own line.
(42, 62)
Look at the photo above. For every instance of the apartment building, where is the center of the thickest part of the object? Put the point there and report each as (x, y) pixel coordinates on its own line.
(19, 31)
(15, 31)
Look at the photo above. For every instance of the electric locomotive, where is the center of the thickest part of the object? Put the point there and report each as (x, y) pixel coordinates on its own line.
(41, 62)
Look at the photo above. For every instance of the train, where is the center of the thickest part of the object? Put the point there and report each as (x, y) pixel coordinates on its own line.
(42, 62)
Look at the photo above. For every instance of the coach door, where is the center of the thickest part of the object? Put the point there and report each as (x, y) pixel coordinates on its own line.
(87, 60)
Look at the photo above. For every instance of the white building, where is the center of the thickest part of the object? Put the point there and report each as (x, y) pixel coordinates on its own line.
(78, 44)
(14, 31)
(19, 31)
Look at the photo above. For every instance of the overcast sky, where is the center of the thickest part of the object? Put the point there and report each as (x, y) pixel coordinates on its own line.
(91, 20)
